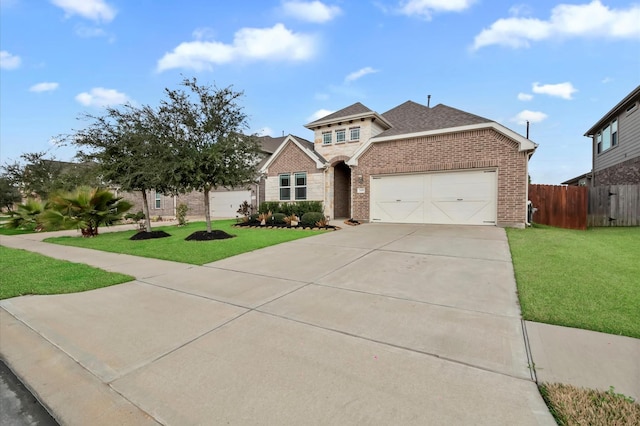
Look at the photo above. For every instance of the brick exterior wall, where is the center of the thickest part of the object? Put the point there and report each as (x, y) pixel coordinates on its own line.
(625, 173)
(478, 149)
(291, 160)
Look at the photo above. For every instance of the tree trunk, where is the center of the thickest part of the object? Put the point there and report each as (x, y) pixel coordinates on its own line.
(145, 210)
(207, 211)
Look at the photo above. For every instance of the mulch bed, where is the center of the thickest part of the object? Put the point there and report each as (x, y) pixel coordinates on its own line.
(215, 234)
(144, 235)
(285, 226)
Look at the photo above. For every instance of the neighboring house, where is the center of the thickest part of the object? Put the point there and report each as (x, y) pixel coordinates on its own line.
(615, 142)
(582, 180)
(411, 164)
(224, 202)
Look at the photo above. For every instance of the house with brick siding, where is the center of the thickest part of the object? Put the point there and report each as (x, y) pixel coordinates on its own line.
(411, 164)
(615, 144)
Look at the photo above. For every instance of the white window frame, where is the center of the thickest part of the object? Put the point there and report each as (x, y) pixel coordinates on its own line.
(341, 136)
(607, 138)
(157, 205)
(281, 186)
(326, 138)
(352, 131)
(300, 175)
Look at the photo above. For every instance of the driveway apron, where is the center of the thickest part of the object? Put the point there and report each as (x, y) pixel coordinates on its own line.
(373, 324)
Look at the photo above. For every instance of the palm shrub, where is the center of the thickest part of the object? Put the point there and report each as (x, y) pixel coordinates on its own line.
(27, 216)
(85, 209)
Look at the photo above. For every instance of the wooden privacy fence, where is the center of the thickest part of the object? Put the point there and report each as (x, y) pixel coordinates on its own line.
(576, 207)
(614, 205)
(561, 206)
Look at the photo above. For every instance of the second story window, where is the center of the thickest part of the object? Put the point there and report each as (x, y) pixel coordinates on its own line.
(341, 136)
(326, 138)
(354, 134)
(608, 137)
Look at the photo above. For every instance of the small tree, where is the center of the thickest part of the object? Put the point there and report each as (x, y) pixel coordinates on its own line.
(9, 193)
(85, 209)
(128, 145)
(38, 174)
(205, 127)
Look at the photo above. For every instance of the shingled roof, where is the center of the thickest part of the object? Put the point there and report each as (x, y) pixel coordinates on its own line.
(412, 117)
(351, 110)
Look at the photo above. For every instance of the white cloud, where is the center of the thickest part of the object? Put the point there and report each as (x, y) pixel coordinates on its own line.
(425, 8)
(100, 97)
(9, 61)
(360, 73)
(319, 114)
(44, 87)
(249, 44)
(531, 116)
(313, 11)
(265, 131)
(96, 10)
(607, 80)
(566, 20)
(561, 90)
(89, 32)
(525, 96)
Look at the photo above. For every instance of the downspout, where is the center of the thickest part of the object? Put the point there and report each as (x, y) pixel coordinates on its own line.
(526, 204)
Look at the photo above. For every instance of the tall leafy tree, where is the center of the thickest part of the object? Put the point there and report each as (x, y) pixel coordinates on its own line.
(128, 144)
(205, 125)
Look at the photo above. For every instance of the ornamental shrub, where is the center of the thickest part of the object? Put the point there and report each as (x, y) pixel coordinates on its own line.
(278, 218)
(310, 218)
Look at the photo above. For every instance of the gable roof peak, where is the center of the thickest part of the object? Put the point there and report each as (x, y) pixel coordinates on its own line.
(353, 109)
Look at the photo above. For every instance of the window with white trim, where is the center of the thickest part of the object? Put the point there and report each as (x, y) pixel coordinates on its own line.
(158, 200)
(341, 136)
(285, 186)
(608, 137)
(354, 134)
(301, 186)
(326, 138)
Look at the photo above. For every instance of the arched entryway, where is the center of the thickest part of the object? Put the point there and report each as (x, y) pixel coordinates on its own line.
(341, 190)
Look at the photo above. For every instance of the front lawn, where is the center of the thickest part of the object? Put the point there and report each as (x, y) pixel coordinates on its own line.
(24, 272)
(582, 279)
(194, 252)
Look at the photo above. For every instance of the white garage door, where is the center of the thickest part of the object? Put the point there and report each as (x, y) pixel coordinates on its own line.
(225, 204)
(464, 198)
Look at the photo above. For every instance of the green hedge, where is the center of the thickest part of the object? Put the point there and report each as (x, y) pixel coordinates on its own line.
(278, 218)
(299, 208)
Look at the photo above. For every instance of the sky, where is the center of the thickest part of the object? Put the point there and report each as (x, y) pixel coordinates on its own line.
(561, 65)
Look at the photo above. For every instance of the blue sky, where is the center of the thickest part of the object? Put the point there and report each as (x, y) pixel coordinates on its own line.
(559, 64)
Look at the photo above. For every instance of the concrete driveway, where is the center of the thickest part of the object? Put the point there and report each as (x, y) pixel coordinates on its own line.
(374, 324)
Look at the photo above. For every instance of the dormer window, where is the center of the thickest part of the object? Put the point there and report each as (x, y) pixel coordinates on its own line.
(326, 138)
(341, 136)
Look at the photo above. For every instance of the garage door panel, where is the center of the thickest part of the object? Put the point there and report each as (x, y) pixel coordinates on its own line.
(225, 204)
(464, 197)
(403, 211)
(465, 212)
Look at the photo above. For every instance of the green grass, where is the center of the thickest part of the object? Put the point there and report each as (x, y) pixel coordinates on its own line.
(582, 279)
(24, 272)
(194, 252)
(7, 231)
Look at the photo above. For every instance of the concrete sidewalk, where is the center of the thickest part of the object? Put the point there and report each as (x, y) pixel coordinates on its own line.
(379, 324)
